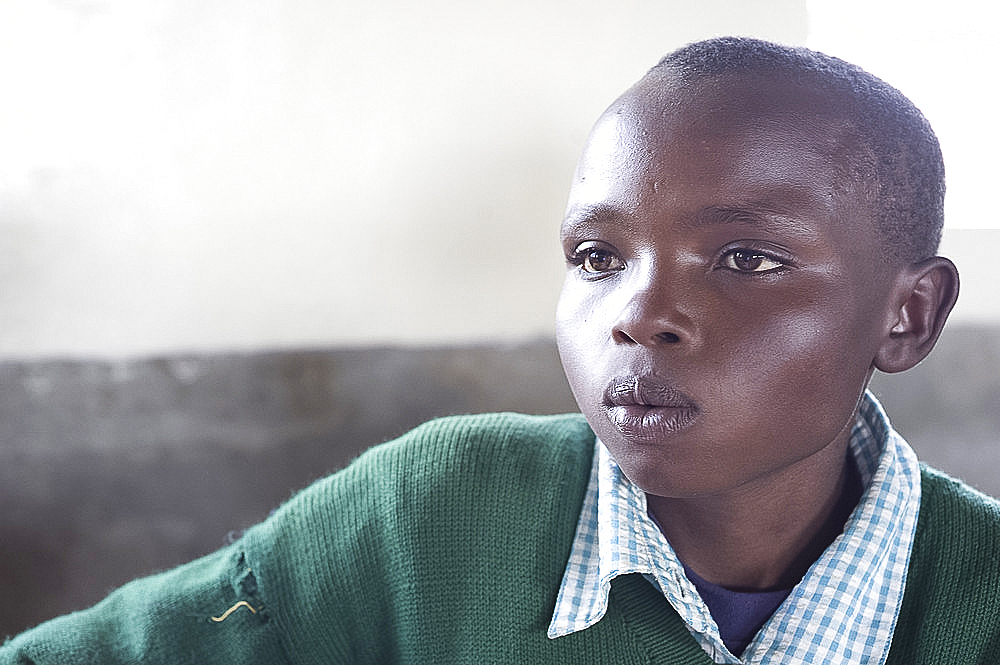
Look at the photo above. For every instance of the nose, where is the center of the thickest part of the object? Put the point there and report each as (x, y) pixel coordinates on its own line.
(654, 316)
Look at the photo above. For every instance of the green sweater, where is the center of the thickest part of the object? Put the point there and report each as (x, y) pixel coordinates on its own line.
(448, 546)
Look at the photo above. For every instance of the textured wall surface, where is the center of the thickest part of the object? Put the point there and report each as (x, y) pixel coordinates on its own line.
(109, 470)
(948, 407)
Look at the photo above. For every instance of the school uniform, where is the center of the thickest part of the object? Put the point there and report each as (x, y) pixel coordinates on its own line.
(473, 540)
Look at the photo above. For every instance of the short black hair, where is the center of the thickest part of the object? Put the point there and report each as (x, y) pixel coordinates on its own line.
(903, 165)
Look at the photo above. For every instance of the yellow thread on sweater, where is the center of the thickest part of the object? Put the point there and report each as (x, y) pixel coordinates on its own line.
(225, 615)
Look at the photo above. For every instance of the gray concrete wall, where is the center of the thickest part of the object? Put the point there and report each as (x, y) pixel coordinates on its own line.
(109, 470)
(113, 469)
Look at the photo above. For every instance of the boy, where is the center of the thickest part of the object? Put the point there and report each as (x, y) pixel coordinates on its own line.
(750, 234)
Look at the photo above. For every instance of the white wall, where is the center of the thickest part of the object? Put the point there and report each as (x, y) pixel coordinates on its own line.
(200, 175)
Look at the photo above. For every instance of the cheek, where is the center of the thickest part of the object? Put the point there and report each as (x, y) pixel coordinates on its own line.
(582, 335)
(573, 331)
(810, 364)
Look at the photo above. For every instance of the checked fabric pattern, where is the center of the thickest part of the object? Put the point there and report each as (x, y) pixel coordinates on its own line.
(843, 611)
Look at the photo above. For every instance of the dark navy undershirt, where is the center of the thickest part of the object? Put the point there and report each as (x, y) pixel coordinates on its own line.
(739, 614)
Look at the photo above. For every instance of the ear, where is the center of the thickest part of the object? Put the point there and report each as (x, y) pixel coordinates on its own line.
(921, 300)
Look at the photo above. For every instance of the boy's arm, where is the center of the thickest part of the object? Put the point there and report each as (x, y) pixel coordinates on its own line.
(207, 611)
(307, 583)
(374, 564)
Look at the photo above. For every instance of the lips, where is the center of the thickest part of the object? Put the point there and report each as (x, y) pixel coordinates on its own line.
(647, 408)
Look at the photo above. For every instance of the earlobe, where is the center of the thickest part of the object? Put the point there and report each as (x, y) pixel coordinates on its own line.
(923, 297)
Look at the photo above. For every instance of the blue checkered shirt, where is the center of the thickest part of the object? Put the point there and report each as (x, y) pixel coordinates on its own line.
(843, 611)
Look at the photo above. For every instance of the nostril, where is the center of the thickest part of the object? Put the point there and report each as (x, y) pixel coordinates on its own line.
(667, 337)
(623, 337)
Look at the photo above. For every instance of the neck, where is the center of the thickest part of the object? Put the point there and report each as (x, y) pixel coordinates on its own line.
(765, 535)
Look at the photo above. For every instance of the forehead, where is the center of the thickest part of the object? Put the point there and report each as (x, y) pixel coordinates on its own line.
(722, 139)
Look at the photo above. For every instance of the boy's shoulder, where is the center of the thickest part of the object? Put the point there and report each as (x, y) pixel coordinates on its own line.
(958, 524)
(951, 611)
(960, 509)
(448, 459)
(485, 440)
(431, 510)
(500, 428)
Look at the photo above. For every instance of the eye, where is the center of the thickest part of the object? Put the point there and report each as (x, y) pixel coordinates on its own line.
(601, 260)
(595, 259)
(749, 260)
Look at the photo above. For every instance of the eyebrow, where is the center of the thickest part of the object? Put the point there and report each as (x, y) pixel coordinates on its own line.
(751, 215)
(591, 215)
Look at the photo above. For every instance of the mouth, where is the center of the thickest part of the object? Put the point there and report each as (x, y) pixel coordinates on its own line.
(647, 408)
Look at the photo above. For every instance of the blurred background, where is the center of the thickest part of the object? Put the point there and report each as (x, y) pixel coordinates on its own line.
(241, 241)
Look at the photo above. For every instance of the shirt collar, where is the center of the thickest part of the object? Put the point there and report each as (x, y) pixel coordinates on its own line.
(844, 608)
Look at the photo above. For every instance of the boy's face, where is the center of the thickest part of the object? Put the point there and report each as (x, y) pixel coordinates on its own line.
(724, 296)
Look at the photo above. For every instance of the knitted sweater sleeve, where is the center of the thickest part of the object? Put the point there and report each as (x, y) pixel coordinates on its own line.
(207, 611)
(370, 565)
